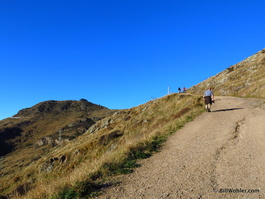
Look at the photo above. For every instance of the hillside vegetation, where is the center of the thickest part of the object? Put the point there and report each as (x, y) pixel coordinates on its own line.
(110, 146)
(36, 131)
(72, 149)
(244, 79)
(45, 120)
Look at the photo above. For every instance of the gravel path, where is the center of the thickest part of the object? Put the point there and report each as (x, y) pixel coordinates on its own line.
(217, 153)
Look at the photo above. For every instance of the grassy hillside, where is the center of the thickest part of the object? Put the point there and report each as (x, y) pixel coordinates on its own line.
(46, 119)
(109, 147)
(36, 131)
(245, 79)
(70, 149)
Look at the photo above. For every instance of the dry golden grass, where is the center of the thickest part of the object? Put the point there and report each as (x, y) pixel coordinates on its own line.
(87, 155)
(245, 79)
(17, 168)
(29, 169)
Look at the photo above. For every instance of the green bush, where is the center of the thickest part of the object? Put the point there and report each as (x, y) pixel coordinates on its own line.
(84, 189)
(66, 193)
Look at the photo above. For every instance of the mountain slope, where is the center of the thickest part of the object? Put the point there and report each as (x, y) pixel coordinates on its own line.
(36, 131)
(244, 79)
(54, 149)
(47, 119)
(218, 155)
(94, 154)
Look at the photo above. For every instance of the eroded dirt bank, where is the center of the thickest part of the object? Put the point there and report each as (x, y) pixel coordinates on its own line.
(217, 153)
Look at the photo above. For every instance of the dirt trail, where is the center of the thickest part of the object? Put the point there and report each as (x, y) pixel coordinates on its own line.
(218, 152)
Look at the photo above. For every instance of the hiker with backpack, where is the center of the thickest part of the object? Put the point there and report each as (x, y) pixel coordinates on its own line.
(179, 89)
(208, 99)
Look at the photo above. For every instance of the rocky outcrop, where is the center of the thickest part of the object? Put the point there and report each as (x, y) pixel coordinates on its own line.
(51, 163)
(71, 130)
(44, 141)
(79, 126)
(50, 141)
(99, 125)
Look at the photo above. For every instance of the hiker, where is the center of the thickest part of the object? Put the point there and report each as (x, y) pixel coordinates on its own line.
(179, 89)
(184, 90)
(208, 99)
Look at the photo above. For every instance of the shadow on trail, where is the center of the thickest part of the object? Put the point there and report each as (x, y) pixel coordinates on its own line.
(229, 109)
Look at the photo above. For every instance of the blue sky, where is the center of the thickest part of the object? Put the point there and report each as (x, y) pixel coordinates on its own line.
(119, 53)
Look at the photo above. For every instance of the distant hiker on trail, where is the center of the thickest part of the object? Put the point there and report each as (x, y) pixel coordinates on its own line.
(184, 90)
(179, 89)
(208, 99)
